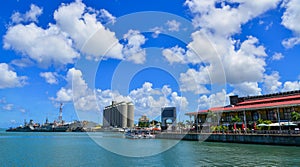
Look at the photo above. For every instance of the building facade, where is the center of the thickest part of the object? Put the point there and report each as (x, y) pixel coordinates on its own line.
(119, 115)
(276, 108)
(168, 113)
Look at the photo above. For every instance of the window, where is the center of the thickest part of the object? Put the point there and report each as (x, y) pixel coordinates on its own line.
(272, 115)
(287, 114)
(255, 116)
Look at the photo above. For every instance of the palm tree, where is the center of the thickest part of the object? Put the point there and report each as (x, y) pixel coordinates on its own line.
(212, 115)
(295, 116)
(236, 119)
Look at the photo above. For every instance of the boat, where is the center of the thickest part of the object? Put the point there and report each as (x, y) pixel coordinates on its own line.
(56, 126)
(138, 134)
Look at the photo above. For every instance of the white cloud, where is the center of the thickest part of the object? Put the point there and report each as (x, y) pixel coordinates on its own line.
(89, 35)
(272, 83)
(156, 31)
(9, 78)
(23, 62)
(106, 17)
(246, 64)
(291, 42)
(64, 95)
(44, 46)
(29, 16)
(246, 89)
(8, 107)
(290, 19)
(77, 91)
(50, 77)
(214, 100)
(173, 25)
(277, 56)
(194, 81)
(149, 101)
(174, 55)
(291, 86)
(225, 61)
(146, 99)
(132, 50)
(226, 20)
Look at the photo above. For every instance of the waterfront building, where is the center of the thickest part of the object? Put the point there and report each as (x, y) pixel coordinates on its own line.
(276, 108)
(168, 116)
(119, 115)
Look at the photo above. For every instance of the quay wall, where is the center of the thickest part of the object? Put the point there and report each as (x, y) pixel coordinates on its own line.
(270, 139)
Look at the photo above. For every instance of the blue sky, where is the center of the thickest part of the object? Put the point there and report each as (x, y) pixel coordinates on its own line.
(190, 54)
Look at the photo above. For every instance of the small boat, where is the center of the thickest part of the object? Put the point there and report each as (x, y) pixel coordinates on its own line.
(138, 134)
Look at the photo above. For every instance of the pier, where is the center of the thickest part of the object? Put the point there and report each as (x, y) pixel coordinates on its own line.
(251, 138)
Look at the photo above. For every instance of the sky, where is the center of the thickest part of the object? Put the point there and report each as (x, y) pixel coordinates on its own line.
(189, 54)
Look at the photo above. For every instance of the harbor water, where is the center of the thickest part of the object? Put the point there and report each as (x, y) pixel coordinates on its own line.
(109, 149)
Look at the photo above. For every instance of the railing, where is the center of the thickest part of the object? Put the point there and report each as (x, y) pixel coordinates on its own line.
(237, 132)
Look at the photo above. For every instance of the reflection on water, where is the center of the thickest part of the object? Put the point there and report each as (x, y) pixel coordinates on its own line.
(78, 149)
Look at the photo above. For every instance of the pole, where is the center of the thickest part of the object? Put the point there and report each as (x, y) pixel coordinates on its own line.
(278, 115)
(245, 122)
(197, 124)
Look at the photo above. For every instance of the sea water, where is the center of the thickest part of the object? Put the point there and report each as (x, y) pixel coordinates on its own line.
(110, 149)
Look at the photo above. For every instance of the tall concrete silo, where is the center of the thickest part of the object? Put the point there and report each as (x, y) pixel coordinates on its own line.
(130, 115)
(123, 114)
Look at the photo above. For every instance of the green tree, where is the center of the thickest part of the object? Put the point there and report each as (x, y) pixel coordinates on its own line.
(212, 115)
(236, 119)
(144, 124)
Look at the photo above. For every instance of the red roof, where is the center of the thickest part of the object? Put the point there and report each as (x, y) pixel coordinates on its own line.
(268, 100)
(251, 106)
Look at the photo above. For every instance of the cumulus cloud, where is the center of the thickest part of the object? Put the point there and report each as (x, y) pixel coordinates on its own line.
(174, 55)
(132, 50)
(44, 46)
(90, 36)
(290, 19)
(246, 64)
(277, 56)
(106, 17)
(246, 89)
(290, 42)
(29, 16)
(225, 19)
(77, 91)
(149, 101)
(156, 31)
(9, 78)
(291, 86)
(214, 100)
(224, 60)
(272, 83)
(194, 81)
(50, 77)
(173, 25)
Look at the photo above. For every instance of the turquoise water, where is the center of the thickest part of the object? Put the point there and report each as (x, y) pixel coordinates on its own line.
(78, 149)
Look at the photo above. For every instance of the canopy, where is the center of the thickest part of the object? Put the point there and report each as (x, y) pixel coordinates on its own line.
(262, 125)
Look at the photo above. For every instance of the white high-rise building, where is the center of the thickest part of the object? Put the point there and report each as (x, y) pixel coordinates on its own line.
(119, 115)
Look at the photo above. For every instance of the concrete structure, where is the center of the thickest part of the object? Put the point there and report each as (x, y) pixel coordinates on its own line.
(270, 139)
(276, 108)
(119, 115)
(168, 113)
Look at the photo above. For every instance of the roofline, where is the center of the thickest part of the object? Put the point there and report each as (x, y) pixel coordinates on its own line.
(242, 109)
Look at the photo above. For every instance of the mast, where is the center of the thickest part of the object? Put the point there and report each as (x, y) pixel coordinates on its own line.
(60, 113)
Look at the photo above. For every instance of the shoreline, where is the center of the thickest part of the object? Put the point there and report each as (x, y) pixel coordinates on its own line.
(265, 139)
